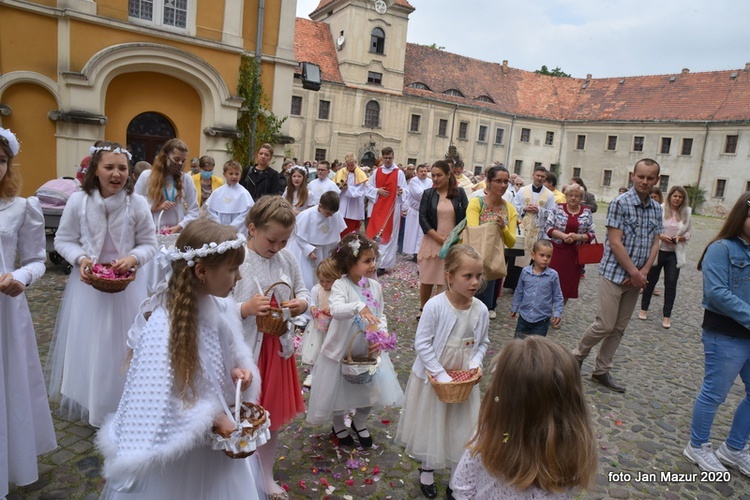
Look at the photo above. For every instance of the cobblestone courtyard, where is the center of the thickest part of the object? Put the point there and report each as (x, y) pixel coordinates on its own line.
(641, 433)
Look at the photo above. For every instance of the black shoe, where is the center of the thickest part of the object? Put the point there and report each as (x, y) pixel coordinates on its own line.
(448, 493)
(366, 442)
(428, 490)
(606, 380)
(419, 315)
(344, 438)
(381, 271)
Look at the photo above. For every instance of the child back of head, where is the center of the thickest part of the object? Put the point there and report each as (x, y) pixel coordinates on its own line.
(211, 244)
(534, 428)
(330, 201)
(271, 209)
(327, 270)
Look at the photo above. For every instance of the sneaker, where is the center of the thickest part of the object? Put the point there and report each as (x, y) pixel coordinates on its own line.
(737, 459)
(308, 381)
(704, 458)
(493, 315)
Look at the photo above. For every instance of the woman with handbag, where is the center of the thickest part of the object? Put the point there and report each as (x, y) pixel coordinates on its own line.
(442, 207)
(672, 243)
(569, 225)
(493, 209)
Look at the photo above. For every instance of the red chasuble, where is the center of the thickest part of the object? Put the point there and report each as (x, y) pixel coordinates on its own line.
(382, 212)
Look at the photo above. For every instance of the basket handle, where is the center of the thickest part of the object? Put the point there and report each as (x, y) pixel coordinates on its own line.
(280, 283)
(158, 220)
(237, 402)
(348, 357)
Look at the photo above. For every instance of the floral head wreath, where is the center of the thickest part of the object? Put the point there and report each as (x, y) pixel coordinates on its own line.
(117, 151)
(190, 254)
(11, 139)
(297, 167)
(354, 245)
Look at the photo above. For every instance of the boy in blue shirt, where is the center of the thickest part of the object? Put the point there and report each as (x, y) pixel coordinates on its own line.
(538, 299)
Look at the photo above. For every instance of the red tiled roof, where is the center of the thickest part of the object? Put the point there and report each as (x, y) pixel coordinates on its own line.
(313, 43)
(709, 96)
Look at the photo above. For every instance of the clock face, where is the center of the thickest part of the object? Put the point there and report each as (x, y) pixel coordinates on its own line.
(380, 7)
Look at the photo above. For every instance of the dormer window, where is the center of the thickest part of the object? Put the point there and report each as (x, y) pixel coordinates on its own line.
(377, 41)
(454, 92)
(419, 85)
(485, 98)
(168, 13)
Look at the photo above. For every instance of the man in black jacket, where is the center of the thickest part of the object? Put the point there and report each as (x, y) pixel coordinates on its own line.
(261, 179)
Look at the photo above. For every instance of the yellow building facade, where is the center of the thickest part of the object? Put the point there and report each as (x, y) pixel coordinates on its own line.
(132, 71)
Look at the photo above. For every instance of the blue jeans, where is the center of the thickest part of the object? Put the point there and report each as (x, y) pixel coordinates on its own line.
(488, 296)
(726, 357)
(525, 328)
(668, 261)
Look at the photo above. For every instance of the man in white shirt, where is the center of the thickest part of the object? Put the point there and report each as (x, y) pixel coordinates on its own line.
(322, 184)
(533, 202)
(352, 182)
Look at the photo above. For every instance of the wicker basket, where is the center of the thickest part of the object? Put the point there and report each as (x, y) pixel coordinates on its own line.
(457, 391)
(358, 369)
(164, 240)
(108, 285)
(274, 323)
(251, 433)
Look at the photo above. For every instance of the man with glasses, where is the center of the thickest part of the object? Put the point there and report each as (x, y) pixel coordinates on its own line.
(322, 183)
(386, 187)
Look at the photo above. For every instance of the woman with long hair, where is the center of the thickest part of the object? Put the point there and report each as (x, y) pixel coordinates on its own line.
(169, 190)
(672, 243)
(726, 343)
(442, 207)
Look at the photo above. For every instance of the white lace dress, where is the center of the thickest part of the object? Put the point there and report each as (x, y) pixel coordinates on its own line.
(471, 481)
(25, 418)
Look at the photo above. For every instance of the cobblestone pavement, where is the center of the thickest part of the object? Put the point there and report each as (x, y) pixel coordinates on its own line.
(641, 433)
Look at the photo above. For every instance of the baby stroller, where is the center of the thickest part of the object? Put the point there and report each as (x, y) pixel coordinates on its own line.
(53, 195)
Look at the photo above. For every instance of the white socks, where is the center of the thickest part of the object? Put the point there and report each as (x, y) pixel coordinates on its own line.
(427, 477)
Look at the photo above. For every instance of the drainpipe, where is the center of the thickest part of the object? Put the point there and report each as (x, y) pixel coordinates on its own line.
(703, 155)
(256, 90)
(510, 145)
(453, 124)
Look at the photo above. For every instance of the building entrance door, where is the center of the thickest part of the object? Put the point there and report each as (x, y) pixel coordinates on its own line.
(147, 133)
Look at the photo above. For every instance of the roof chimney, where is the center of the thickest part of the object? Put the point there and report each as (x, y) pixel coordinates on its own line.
(685, 71)
(505, 65)
(588, 77)
(747, 66)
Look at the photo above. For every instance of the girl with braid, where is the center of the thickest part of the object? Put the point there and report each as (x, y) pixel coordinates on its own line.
(188, 356)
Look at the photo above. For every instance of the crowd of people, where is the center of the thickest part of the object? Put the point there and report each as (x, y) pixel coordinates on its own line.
(210, 315)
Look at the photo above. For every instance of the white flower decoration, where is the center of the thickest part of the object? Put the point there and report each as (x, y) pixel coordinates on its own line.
(354, 245)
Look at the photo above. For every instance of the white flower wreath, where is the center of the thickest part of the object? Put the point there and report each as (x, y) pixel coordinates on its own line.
(117, 151)
(190, 254)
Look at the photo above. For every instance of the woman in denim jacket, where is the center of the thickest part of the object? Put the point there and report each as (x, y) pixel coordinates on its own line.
(726, 340)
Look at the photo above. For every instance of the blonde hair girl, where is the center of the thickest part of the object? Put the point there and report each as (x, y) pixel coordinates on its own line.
(104, 223)
(188, 356)
(534, 433)
(27, 429)
(452, 335)
(270, 224)
(169, 189)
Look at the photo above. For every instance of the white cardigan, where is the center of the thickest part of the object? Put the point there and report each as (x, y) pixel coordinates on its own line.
(345, 304)
(130, 225)
(435, 327)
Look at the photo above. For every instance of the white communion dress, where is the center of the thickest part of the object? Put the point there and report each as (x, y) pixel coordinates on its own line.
(25, 422)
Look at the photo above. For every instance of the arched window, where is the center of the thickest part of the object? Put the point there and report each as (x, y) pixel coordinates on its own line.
(419, 85)
(147, 133)
(454, 92)
(485, 98)
(377, 41)
(372, 114)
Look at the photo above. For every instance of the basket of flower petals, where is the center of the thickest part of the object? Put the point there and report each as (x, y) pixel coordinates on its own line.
(106, 279)
(458, 390)
(251, 432)
(322, 319)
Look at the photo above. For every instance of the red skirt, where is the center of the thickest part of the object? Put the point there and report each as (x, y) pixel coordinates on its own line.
(280, 393)
(565, 262)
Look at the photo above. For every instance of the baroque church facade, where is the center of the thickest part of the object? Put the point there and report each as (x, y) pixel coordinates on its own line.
(379, 90)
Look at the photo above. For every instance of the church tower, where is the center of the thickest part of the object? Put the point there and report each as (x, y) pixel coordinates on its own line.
(370, 36)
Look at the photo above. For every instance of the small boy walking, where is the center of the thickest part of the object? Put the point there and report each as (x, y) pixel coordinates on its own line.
(538, 299)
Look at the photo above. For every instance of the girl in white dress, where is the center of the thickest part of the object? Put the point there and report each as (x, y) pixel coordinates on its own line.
(103, 223)
(320, 312)
(332, 395)
(25, 418)
(188, 353)
(452, 335)
(270, 224)
(534, 435)
(296, 192)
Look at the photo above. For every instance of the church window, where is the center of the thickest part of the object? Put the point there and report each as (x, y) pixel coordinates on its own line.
(172, 13)
(377, 41)
(372, 114)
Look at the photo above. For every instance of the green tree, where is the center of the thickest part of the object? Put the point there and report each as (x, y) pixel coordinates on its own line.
(697, 196)
(433, 46)
(554, 72)
(254, 109)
